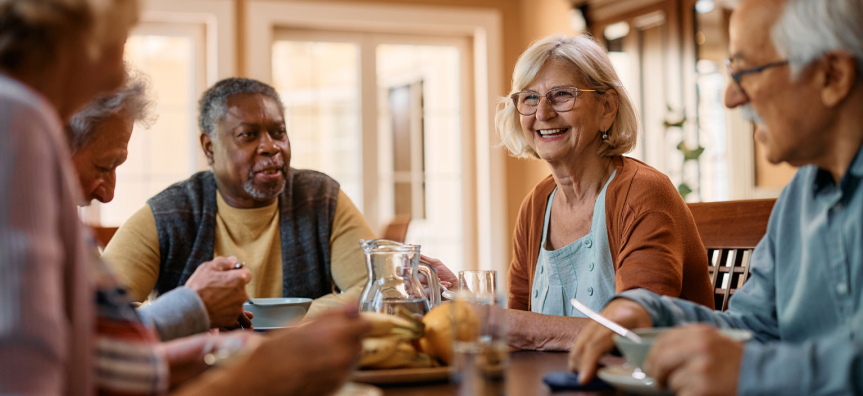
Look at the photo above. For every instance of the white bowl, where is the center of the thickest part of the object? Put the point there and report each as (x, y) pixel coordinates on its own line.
(635, 353)
(276, 312)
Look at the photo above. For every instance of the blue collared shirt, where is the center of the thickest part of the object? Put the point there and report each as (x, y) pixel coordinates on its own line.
(804, 297)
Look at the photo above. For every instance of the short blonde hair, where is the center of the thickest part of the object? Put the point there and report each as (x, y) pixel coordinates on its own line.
(592, 62)
(30, 30)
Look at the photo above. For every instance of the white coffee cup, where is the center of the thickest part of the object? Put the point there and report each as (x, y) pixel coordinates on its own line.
(276, 312)
(635, 353)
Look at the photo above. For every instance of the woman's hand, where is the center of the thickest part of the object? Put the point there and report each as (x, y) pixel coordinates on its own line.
(444, 275)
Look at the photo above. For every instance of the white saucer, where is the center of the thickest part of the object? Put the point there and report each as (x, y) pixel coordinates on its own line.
(621, 377)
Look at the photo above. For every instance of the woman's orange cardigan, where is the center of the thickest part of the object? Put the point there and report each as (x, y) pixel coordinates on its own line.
(651, 233)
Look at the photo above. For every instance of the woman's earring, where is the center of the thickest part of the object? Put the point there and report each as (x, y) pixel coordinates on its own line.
(605, 134)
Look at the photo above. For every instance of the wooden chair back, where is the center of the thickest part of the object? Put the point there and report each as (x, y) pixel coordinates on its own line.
(730, 230)
(397, 229)
(103, 235)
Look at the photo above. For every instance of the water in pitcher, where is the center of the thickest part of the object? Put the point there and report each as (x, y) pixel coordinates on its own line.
(418, 306)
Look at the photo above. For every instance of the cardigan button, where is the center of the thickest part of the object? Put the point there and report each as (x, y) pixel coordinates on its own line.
(535, 293)
(590, 291)
(841, 289)
(541, 269)
(588, 243)
(591, 266)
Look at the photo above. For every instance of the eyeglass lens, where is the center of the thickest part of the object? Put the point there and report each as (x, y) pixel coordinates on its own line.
(560, 100)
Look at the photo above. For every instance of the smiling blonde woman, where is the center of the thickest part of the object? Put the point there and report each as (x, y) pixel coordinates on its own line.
(601, 223)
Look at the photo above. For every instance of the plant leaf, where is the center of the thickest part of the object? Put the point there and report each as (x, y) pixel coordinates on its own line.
(684, 190)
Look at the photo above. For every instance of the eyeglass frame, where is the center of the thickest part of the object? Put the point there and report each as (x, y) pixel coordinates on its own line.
(737, 76)
(514, 98)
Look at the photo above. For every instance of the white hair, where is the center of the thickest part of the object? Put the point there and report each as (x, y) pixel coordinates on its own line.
(809, 28)
(132, 99)
(593, 64)
(212, 107)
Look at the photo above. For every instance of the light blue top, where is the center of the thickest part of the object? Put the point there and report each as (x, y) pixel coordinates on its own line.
(583, 269)
(804, 298)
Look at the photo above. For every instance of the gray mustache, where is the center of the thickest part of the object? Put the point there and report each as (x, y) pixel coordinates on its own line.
(269, 164)
(749, 114)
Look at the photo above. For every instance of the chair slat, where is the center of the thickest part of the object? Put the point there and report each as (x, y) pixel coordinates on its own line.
(713, 263)
(746, 266)
(728, 286)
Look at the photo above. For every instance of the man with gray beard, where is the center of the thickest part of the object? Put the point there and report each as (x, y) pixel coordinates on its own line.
(796, 70)
(295, 230)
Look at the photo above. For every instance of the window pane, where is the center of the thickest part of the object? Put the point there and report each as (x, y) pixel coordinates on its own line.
(422, 127)
(165, 153)
(710, 85)
(318, 83)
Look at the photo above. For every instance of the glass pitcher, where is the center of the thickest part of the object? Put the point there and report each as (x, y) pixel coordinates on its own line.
(393, 280)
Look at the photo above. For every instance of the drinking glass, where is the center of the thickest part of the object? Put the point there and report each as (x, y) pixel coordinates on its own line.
(481, 284)
(480, 349)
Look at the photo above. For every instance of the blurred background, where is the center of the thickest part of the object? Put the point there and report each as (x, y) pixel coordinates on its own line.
(395, 99)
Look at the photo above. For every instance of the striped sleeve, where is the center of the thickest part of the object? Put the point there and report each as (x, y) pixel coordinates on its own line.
(128, 361)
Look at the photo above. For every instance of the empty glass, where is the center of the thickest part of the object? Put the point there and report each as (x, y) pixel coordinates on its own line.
(481, 284)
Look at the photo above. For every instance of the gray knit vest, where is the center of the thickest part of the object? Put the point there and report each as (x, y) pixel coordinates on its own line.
(186, 222)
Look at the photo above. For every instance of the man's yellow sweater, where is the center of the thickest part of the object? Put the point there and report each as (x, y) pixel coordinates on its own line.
(251, 235)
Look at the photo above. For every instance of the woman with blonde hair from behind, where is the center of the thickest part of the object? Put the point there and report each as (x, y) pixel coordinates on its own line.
(601, 223)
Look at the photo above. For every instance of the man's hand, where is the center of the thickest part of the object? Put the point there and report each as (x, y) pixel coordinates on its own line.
(222, 289)
(695, 360)
(185, 356)
(314, 358)
(596, 340)
(446, 277)
(245, 320)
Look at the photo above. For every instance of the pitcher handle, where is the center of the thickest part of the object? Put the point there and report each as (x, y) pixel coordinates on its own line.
(434, 285)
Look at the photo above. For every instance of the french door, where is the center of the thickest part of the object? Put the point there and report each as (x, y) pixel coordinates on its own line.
(390, 118)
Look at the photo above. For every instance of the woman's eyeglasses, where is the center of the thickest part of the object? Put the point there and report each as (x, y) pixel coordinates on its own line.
(560, 99)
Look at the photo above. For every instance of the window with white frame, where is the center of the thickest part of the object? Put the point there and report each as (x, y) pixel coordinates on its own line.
(418, 139)
(167, 152)
(478, 35)
(183, 47)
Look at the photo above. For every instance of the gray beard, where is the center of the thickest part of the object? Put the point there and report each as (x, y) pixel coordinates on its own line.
(272, 191)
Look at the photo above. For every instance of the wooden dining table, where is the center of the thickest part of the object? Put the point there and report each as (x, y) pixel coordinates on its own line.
(524, 377)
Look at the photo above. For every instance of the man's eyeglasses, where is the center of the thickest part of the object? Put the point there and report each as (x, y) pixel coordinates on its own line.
(560, 99)
(736, 76)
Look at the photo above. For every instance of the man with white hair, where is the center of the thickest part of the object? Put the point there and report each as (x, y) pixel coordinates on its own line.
(99, 134)
(797, 71)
